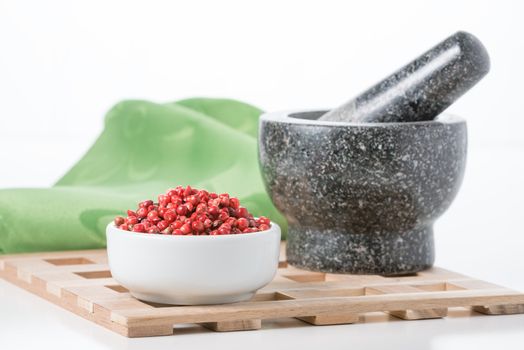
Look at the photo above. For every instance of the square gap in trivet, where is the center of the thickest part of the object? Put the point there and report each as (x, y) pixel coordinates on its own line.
(94, 274)
(306, 277)
(69, 261)
(118, 288)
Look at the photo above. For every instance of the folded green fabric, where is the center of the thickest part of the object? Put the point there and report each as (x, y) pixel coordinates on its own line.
(145, 149)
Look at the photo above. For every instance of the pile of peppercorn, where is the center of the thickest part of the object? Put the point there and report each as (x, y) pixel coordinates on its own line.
(189, 211)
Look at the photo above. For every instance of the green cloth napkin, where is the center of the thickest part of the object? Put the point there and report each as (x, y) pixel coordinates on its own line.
(145, 149)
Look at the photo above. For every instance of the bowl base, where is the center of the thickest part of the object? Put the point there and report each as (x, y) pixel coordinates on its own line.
(388, 254)
(193, 299)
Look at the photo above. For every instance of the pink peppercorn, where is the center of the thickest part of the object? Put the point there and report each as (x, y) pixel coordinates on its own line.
(190, 211)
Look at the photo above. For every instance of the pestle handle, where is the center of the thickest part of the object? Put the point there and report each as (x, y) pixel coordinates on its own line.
(423, 88)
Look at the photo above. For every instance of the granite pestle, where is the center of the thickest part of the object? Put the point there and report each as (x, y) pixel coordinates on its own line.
(423, 88)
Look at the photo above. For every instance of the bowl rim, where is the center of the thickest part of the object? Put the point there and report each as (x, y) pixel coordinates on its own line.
(274, 227)
(284, 116)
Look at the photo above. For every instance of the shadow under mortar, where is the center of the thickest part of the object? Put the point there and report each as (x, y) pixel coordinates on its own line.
(361, 197)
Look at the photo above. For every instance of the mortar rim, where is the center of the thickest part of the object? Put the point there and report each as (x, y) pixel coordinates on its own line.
(284, 116)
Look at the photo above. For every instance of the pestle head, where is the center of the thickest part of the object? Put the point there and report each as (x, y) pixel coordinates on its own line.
(423, 88)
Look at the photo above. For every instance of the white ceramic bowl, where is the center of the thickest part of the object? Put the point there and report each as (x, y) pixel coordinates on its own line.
(192, 270)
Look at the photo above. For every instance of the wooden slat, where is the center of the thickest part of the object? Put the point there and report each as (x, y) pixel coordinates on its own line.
(500, 309)
(332, 319)
(316, 306)
(238, 325)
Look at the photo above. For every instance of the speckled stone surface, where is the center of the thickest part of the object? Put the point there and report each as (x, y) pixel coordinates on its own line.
(424, 87)
(361, 198)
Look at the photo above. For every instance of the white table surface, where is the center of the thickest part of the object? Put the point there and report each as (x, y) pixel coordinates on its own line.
(481, 235)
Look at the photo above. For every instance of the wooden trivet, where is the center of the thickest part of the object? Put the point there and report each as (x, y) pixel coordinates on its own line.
(80, 281)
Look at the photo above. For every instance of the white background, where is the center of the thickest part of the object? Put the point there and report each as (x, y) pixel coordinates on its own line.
(63, 64)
